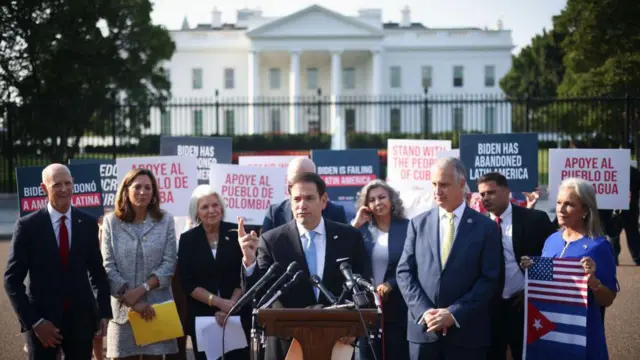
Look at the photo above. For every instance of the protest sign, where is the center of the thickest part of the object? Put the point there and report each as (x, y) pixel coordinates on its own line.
(247, 191)
(272, 161)
(177, 177)
(607, 169)
(87, 195)
(409, 161)
(513, 155)
(449, 153)
(207, 151)
(108, 179)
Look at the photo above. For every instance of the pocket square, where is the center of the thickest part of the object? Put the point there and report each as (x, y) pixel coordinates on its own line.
(335, 236)
(342, 259)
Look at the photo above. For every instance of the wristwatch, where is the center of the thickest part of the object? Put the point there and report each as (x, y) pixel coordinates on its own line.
(146, 287)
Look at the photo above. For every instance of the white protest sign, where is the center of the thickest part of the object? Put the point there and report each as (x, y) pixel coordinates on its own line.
(607, 169)
(409, 161)
(247, 191)
(449, 153)
(269, 161)
(177, 177)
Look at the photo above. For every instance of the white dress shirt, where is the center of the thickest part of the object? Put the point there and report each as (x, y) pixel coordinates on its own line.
(513, 277)
(55, 221)
(321, 247)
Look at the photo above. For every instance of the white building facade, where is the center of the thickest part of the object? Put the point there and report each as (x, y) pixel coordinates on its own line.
(266, 74)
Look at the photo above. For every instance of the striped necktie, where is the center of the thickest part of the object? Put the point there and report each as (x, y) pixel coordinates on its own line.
(448, 239)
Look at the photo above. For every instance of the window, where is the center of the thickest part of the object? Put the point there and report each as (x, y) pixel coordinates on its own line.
(427, 120)
(427, 73)
(458, 119)
(274, 78)
(275, 120)
(489, 76)
(490, 119)
(312, 78)
(196, 78)
(350, 120)
(349, 78)
(229, 122)
(458, 76)
(197, 122)
(165, 123)
(395, 119)
(396, 77)
(228, 79)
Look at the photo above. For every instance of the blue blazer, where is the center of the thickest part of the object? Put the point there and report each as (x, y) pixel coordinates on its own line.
(395, 308)
(280, 214)
(465, 285)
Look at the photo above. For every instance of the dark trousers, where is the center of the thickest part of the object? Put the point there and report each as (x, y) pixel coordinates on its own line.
(629, 222)
(439, 350)
(396, 345)
(507, 329)
(77, 343)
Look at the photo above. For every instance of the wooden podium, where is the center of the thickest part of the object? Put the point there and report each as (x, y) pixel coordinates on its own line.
(317, 330)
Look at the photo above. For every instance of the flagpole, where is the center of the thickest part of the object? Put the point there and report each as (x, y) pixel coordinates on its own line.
(526, 313)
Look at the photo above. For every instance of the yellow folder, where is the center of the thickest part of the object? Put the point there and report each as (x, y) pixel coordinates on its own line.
(165, 326)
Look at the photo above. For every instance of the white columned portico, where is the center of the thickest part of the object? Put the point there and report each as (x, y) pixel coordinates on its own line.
(254, 92)
(377, 90)
(294, 92)
(336, 86)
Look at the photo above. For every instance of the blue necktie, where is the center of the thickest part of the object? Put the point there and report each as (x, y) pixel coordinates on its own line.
(310, 255)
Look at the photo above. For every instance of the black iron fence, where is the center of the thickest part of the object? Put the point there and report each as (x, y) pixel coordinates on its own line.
(36, 135)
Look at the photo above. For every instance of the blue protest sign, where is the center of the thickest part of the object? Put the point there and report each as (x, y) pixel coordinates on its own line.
(346, 171)
(513, 155)
(87, 194)
(108, 179)
(208, 151)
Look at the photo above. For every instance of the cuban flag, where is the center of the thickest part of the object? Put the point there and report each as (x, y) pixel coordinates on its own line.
(556, 294)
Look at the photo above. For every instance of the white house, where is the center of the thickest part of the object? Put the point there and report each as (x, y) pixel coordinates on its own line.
(373, 74)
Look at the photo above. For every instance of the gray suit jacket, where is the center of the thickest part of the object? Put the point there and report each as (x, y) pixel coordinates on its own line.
(119, 245)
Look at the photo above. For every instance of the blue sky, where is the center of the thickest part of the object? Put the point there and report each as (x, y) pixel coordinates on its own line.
(524, 17)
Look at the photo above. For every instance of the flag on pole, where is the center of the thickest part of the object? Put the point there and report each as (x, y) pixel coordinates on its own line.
(556, 295)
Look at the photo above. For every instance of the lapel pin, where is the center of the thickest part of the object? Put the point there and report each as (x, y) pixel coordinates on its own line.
(469, 221)
(144, 238)
(584, 246)
(335, 236)
(226, 238)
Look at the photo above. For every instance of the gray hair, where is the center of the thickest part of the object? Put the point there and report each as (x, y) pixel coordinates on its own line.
(200, 192)
(587, 196)
(458, 167)
(397, 207)
(47, 171)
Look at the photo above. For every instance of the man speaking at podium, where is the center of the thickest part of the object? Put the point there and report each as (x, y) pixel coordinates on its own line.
(317, 244)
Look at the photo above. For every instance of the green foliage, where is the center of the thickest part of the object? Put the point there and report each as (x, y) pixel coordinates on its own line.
(68, 64)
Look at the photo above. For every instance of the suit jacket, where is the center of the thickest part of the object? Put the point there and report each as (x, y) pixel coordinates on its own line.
(198, 268)
(465, 285)
(395, 308)
(280, 214)
(120, 252)
(34, 250)
(283, 245)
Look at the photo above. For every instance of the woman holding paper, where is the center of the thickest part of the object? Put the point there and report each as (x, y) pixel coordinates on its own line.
(382, 222)
(139, 252)
(580, 237)
(209, 263)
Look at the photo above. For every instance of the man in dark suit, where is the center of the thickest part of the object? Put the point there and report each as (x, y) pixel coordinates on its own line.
(57, 246)
(317, 244)
(280, 214)
(524, 232)
(448, 272)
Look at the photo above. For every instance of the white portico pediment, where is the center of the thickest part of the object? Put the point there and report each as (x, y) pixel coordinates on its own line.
(315, 21)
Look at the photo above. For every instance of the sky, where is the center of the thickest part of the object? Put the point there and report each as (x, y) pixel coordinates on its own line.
(525, 18)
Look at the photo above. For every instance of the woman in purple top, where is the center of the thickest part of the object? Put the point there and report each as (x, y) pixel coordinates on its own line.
(580, 237)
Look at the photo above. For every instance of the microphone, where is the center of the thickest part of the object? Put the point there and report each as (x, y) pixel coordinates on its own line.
(270, 274)
(316, 282)
(281, 281)
(359, 298)
(362, 282)
(285, 288)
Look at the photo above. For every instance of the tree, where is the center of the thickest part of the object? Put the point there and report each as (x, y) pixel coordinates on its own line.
(68, 64)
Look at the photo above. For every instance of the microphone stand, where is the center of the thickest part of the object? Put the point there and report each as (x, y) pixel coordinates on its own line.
(256, 332)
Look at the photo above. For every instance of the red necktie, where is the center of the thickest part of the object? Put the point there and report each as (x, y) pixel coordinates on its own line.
(64, 249)
(499, 222)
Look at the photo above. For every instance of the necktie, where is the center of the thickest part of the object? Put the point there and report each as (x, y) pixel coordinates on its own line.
(448, 239)
(499, 222)
(64, 249)
(310, 255)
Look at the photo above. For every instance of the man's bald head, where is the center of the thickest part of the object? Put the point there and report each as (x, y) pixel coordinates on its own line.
(300, 165)
(50, 171)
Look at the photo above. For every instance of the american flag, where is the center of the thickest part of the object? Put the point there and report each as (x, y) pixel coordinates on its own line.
(557, 296)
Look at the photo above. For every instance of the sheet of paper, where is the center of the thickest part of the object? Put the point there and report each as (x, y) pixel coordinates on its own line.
(209, 336)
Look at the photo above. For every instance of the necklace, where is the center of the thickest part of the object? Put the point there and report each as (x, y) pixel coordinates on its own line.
(213, 241)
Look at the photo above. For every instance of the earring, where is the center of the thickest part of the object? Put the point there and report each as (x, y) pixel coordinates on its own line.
(153, 201)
